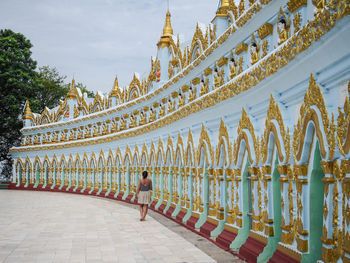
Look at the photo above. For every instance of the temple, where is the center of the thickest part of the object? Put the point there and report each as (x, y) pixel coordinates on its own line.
(245, 132)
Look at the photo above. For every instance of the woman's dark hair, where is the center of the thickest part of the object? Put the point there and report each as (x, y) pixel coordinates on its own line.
(144, 174)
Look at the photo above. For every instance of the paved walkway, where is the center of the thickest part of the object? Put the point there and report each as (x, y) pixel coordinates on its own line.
(59, 227)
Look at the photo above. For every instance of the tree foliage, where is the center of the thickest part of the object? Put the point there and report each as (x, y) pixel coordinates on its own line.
(20, 81)
(17, 75)
(49, 89)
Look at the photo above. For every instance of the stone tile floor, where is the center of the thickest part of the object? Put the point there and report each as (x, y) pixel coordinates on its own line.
(59, 227)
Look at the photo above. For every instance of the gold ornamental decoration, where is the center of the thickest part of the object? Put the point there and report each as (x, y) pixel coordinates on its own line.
(242, 47)
(274, 113)
(246, 124)
(343, 121)
(314, 97)
(265, 30)
(293, 5)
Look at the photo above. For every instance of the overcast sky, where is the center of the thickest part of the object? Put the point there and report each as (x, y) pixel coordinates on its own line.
(97, 39)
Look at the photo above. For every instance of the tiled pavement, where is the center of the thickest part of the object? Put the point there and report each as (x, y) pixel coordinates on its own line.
(59, 227)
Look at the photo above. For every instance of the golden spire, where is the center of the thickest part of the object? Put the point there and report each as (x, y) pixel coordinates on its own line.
(224, 4)
(72, 92)
(27, 112)
(167, 30)
(222, 10)
(115, 89)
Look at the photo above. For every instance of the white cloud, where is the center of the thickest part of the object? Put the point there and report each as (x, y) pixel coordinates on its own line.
(95, 40)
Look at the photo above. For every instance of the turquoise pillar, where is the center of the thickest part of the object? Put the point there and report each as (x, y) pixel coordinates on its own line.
(77, 175)
(136, 180)
(273, 240)
(54, 174)
(27, 172)
(204, 215)
(19, 175)
(180, 192)
(37, 177)
(154, 184)
(190, 193)
(127, 180)
(161, 184)
(70, 179)
(243, 232)
(171, 190)
(62, 174)
(223, 203)
(85, 181)
(93, 171)
(45, 174)
(110, 181)
(117, 183)
(101, 181)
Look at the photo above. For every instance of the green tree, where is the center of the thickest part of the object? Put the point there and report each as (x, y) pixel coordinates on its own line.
(49, 89)
(83, 89)
(17, 78)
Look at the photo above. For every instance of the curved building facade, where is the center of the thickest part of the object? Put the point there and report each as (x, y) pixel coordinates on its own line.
(245, 132)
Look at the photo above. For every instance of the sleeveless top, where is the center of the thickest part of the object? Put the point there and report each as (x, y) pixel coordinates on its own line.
(145, 187)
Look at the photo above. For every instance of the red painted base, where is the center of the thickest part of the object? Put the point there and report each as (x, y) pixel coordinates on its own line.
(191, 222)
(206, 228)
(278, 256)
(225, 239)
(153, 205)
(170, 211)
(251, 249)
(161, 208)
(180, 216)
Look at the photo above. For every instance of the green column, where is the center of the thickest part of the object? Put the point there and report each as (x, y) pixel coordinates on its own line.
(118, 183)
(77, 174)
(101, 181)
(62, 174)
(171, 190)
(127, 180)
(37, 177)
(85, 180)
(243, 232)
(136, 177)
(27, 174)
(190, 186)
(153, 184)
(161, 184)
(179, 184)
(45, 172)
(70, 180)
(54, 177)
(204, 215)
(273, 240)
(223, 203)
(19, 175)
(93, 172)
(110, 181)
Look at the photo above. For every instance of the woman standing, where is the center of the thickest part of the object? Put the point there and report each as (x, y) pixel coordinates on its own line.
(144, 194)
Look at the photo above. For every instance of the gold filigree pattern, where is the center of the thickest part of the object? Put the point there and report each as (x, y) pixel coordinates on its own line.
(314, 97)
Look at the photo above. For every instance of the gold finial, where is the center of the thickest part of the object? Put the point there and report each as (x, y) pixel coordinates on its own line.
(72, 92)
(28, 112)
(224, 4)
(222, 10)
(167, 30)
(115, 90)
